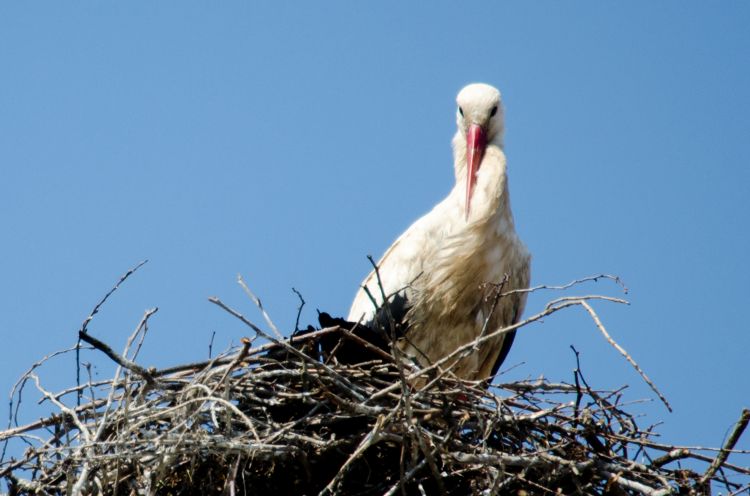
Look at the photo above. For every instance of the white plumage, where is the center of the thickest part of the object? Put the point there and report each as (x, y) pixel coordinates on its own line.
(436, 274)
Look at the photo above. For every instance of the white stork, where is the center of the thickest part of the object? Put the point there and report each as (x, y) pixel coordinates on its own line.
(440, 276)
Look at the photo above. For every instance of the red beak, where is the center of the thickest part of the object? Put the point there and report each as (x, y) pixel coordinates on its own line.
(476, 141)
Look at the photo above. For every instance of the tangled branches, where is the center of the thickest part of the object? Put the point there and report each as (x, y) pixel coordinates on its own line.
(291, 417)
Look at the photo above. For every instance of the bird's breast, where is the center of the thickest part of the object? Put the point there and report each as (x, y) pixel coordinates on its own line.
(457, 272)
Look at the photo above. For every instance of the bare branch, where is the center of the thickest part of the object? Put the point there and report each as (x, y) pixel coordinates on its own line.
(117, 358)
(739, 428)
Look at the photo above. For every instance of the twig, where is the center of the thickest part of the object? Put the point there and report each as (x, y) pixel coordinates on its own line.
(237, 360)
(408, 476)
(483, 339)
(211, 344)
(624, 353)
(258, 303)
(116, 357)
(288, 347)
(735, 435)
(498, 290)
(366, 344)
(122, 279)
(615, 279)
(67, 411)
(17, 390)
(299, 309)
(84, 326)
(675, 454)
(576, 374)
(371, 438)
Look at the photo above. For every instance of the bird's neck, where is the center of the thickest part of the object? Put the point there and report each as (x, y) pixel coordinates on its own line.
(490, 200)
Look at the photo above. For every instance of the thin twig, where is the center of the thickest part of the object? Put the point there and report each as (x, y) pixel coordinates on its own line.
(258, 303)
(299, 309)
(85, 324)
(624, 353)
(735, 435)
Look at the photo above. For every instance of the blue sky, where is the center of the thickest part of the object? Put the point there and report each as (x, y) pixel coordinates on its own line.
(287, 142)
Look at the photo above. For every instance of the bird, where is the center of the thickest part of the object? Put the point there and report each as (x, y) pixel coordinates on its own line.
(461, 269)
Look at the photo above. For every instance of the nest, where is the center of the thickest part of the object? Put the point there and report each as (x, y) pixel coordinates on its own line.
(293, 416)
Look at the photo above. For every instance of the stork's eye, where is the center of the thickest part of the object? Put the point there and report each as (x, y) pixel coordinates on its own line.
(461, 111)
(494, 111)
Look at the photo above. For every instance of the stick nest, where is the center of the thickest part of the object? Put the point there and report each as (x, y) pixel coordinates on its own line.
(293, 417)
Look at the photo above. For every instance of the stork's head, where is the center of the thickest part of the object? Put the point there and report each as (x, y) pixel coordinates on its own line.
(480, 120)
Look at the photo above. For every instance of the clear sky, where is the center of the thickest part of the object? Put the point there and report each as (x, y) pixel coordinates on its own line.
(287, 141)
